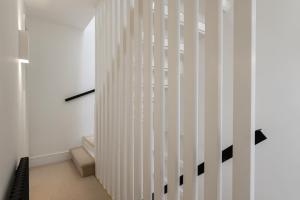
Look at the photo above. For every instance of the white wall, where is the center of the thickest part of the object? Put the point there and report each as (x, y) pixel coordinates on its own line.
(62, 65)
(278, 99)
(10, 87)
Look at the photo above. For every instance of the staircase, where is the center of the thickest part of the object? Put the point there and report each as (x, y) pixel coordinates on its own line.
(83, 157)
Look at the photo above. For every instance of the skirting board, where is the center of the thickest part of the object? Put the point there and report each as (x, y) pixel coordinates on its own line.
(49, 158)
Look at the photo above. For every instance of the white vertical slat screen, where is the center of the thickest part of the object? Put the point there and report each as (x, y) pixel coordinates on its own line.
(158, 100)
(173, 115)
(213, 70)
(148, 86)
(244, 99)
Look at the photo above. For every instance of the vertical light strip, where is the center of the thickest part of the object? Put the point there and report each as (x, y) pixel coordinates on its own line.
(244, 99)
(158, 100)
(147, 119)
(213, 88)
(173, 115)
(190, 92)
(137, 103)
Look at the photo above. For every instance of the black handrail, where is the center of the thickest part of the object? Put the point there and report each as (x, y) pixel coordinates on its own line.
(79, 95)
(227, 154)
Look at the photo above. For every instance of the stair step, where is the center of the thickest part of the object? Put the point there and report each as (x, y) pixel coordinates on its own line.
(88, 143)
(83, 161)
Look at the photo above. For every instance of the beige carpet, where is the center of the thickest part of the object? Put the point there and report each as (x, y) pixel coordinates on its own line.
(62, 182)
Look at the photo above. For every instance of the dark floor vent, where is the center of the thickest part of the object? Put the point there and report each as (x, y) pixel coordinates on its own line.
(20, 188)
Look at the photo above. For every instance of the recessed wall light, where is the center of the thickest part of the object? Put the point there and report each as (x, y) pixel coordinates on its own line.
(23, 61)
(23, 46)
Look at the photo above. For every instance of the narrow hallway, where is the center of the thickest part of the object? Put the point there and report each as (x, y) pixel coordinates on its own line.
(62, 181)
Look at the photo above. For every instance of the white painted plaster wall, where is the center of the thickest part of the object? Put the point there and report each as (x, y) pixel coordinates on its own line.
(62, 65)
(11, 84)
(278, 99)
(277, 165)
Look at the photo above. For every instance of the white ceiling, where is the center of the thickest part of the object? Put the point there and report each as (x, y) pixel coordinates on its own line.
(77, 13)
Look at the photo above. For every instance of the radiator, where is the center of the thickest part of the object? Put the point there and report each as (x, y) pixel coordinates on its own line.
(20, 187)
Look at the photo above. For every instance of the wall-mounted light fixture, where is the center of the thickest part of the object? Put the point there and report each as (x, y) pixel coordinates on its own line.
(23, 46)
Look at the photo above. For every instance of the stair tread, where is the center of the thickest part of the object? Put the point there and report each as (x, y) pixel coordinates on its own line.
(84, 162)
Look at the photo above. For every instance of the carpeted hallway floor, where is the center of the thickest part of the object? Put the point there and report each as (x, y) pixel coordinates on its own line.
(61, 181)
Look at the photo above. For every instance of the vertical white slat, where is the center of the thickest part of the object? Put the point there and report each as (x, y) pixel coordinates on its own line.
(105, 94)
(111, 41)
(113, 140)
(213, 108)
(130, 167)
(97, 94)
(173, 115)
(147, 100)
(108, 109)
(121, 133)
(101, 91)
(118, 96)
(158, 101)
(244, 99)
(121, 100)
(111, 134)
(114, 107)
(190, 93)
(126, 119)
(105, 133)
(107, 148)
(100, 166)
(124, 103)
(112, 125)
(119, 143)
(102, 87)
(137, 103)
